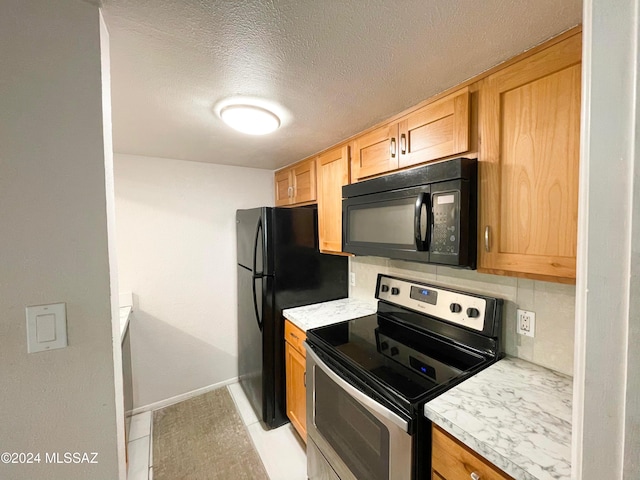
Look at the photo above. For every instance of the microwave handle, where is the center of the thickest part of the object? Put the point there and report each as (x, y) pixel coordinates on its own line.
(423, 201)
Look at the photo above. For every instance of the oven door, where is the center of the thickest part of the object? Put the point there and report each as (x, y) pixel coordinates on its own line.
(354, 435)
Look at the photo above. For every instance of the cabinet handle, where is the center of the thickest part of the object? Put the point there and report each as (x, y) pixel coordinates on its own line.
(475, 476)
(290, 192)
(392, 147)
(403, 144)
(293, 335)
(304, 380)
(487, 245)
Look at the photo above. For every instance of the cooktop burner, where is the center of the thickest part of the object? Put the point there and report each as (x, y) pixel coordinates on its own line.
(423, 340)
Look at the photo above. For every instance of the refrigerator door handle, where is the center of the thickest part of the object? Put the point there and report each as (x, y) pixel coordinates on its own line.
(256, 275)
(255, 250)
(255, 299)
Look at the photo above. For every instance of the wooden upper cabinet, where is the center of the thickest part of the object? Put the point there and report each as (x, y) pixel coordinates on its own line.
(304, 181)
(296, 185)
(375, 152)
(437, 130)
(283, 187)
(529, 122)
(332, 174)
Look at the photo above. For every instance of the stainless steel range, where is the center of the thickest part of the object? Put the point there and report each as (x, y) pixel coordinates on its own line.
(369, 378)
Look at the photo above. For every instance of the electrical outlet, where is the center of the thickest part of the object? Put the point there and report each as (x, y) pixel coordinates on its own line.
(526, 323)
(352, 279)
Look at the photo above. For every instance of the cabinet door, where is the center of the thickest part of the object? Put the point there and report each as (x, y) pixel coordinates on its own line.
(303, 177)
(296, 390)
(333, 173)
(438, 130)
(375, 152)
(529, 152)
(284, 191)
(451, 460)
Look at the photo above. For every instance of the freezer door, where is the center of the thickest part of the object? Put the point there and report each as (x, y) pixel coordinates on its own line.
(252, 229)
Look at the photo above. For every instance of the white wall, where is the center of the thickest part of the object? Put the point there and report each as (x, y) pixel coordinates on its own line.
(606, 418)
(105, 73)
(553, 304)
(177, 254)
(53, 239)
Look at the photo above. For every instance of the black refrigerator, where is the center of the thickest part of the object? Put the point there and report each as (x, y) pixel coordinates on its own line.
(279, 266)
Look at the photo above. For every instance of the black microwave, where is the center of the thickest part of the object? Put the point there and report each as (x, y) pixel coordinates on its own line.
(426, 214)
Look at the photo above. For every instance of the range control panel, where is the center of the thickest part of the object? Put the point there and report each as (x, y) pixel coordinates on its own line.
(456, 307)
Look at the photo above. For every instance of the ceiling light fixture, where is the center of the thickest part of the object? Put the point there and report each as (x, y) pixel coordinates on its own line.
(250, 119)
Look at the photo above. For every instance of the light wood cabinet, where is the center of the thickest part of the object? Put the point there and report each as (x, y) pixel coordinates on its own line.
(332, 174)
(529, 122)
(295, 365)
(451, 460)
(437, 130)
(283, 187)
(375, 152)
(296, 185)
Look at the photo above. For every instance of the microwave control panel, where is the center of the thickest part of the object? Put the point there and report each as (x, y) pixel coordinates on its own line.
(446, 223)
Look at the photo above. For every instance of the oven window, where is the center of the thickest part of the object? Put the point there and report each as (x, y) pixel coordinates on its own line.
(361, 441)
(389, 223)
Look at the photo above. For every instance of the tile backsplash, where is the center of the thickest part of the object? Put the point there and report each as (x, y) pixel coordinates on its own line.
(553, 304)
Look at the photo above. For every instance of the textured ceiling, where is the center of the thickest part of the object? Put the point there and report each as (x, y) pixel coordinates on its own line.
(332, 68)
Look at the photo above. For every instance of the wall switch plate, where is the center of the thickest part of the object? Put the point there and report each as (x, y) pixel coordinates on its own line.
(526, 323)
(352, 279)
(46, 327)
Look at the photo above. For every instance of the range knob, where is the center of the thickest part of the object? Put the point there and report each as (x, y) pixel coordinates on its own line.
(473, 312)
(384, 288)
(395, 291)
(384, 345)
(455, 307)
(394, 351)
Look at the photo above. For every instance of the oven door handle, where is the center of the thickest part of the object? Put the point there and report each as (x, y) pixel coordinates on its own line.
(357, 394)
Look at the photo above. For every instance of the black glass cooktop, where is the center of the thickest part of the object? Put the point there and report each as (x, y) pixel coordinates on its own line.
(411, 363)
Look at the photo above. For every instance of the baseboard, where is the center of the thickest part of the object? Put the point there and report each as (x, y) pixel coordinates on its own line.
(180, 398)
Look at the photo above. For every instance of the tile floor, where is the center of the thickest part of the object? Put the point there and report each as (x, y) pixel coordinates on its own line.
(281, 450)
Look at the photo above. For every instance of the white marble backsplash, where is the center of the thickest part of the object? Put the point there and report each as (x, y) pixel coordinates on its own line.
(515, 414)
(553, 304)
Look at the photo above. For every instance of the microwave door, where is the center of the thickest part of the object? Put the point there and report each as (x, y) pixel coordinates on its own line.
(394, 224)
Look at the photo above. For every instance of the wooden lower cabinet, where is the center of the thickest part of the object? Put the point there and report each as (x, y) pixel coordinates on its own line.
(295, 365)
(451, 460)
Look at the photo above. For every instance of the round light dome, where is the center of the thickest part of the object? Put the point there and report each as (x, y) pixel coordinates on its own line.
(250, 119)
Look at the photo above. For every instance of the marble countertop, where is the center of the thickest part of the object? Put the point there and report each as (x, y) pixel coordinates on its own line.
(515, 414)
(326, 313)
(124, 320)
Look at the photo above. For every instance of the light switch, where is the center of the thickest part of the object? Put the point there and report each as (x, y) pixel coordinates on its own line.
(46, 327)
